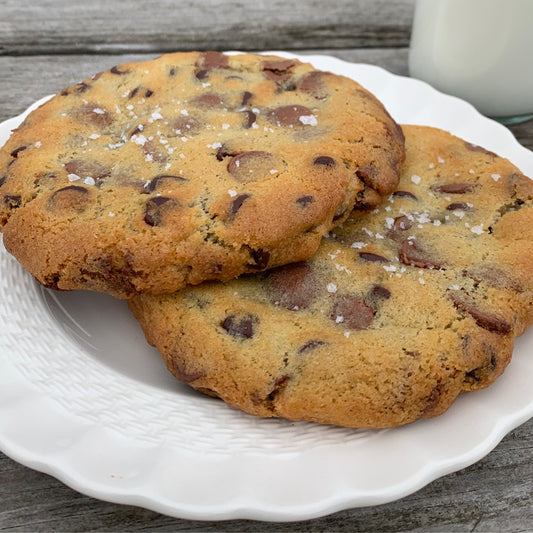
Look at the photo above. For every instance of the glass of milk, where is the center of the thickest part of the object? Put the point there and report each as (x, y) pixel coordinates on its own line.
(478, 50)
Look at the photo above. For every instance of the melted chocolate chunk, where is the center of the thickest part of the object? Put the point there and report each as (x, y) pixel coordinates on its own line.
(246, 95)
(476, 148)
(455, 188)
(223, 152)
(304, 201)
(12, 201)
(157, 180)
(351, 311)
(185, 374)
(209, 101)
(249, 120)
(88, 169)
(73, 197)
(484, 320)
(378, 291)
(237, 204)
(212, 59)
(401, 223)
(310, 345)
(260, 259)
(324, 160)
(118, 70)
(151, 149)
(293, 286)
(289, 115)
(404, 194)
(251, 166)
(367, 173)
(373, 258)
(313, 84)
(155, 209)
(411, 253)
(93, 114)
(241, 327)
(458, 206)
(186, 125)
(278, 70)
(493, 276)
(17, 151)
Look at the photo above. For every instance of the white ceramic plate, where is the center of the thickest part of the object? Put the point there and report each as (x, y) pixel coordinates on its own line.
(84, 398)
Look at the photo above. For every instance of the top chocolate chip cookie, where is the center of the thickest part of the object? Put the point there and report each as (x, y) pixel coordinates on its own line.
(193, 166)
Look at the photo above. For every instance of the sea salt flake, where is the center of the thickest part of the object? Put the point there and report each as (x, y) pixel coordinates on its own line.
(139, 139)
(184, 112)
(454, 287)
(73, 177)
(339, 319)
(38, 144)
(331, 287)
(225, 126)
(308, 120)
(495, 177)
(111, 214)
(94, 136)
(478, 230)
(347, 334)
(389, 268)
(98, 111)
(89, 181)
(232, 192)
(358, 245)
(415, 179)
(440, 160)
(421, 281)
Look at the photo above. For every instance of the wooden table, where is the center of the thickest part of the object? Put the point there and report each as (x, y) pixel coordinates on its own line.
(48, 44)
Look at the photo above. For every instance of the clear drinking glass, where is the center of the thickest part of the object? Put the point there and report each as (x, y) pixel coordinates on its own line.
(478, 50)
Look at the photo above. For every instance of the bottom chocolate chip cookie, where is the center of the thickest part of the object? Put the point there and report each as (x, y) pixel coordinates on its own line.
(400, 310)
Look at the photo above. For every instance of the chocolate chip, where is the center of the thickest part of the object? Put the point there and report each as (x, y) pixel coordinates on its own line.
(401, 223)
(185, 374)
(78, 88)
(374, 258)
(154, 154)
(223, 152)
(310, 345)
(278, 70)
(202, 74)
(458, 206)
(413, 254)
(186, 125)
(304, 201)
(156, 180)
(71, 197)
(249, 120)
(351, 311)
(2, 180)
(378, 291)
(484, 320)
(155, 209)
(246, 95)
(212, 59)
(135, 131)
(16, 151)
(148, 93)
(12, 201)
(88, 169)
(93, 114)
(367, 173)
(289, 115)
(404, 194)
(135, 91)
(236, 205)
(117, 70)
(251, 166)
(260, 259)
(241, 327)
(324, 160)
(476, 148)
(313, 84)
(292, 286)
(209, 101)
(455, 188)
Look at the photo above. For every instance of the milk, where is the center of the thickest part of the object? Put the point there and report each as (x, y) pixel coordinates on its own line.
(479, 50)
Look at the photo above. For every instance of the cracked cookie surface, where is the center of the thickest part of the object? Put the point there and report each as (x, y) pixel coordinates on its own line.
(193, 166)
(398, 312)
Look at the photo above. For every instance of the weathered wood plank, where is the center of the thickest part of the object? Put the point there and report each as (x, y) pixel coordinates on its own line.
(130, 26)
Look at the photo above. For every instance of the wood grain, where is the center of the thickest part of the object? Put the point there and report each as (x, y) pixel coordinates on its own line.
(58, 27)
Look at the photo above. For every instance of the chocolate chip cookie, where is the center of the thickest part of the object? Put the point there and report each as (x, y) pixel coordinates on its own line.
(398, 312)
(192, 166)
